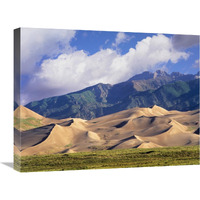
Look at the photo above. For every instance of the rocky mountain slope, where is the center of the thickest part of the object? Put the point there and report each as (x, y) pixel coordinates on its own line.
(170, 91)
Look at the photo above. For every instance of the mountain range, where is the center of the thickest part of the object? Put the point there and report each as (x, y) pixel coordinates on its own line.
(173, 91)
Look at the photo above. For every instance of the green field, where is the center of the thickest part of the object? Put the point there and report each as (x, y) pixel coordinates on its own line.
(123, 158)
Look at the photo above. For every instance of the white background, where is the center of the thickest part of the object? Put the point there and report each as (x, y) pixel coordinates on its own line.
(179, 182)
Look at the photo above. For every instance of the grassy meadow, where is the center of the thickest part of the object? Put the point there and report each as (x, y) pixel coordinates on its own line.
(122, 158)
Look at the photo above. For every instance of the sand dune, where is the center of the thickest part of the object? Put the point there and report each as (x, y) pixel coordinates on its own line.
(26, 119)
(23, 112)
(149, 145)
(62, 138)
(32, 137)
(134, 128)
(17, 151)
(93, 136)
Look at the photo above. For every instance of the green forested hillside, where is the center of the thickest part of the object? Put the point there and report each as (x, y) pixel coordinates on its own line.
(103, 99)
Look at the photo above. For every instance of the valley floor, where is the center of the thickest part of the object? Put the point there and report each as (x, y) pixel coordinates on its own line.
(120, 158)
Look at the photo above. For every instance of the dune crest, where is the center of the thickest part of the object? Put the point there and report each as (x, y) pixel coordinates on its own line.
(26, 119)
(24, 113)
(149, 145)
(93, 136)
(159, 111)
(134, 128)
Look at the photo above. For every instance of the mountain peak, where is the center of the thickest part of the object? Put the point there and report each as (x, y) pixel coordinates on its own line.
(160, 73)
(176, 74)
(142, 90)
(143, 76)
(146, 75)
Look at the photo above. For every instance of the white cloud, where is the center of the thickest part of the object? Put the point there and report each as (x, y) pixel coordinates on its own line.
(120, 38)
(77, 70)
(36, 43)
(106, 42)
(196, 63)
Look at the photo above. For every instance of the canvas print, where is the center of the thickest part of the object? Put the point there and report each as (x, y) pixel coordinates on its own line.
(98, 99)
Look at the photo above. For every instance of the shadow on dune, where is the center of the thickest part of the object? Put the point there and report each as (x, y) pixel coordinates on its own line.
(67, 123)
(121, 141)
(197, 131)
(120, 125)
(31, 137)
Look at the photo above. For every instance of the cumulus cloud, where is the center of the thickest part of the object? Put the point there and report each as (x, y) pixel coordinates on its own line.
(120, 38)
(37, 43)
(185, 41)
(74, 71)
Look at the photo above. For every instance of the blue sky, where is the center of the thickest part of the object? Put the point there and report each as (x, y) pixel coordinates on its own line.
(93, 41)
(56, 62)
